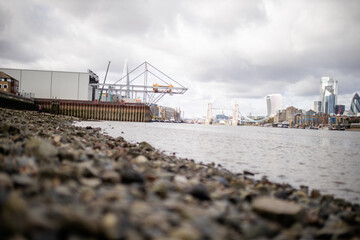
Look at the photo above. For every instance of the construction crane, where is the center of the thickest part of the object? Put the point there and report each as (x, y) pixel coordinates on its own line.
(145, 80)
(102, 89)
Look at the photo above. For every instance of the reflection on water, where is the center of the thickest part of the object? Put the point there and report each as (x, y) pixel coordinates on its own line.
(324, 160)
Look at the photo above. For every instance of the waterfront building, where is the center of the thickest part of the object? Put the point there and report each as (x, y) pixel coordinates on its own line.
(317, 106)
(328, 94)
(310, 118)
(289, 113)
(355, 104)
(280, 116)
(339, 109)
(273, 103)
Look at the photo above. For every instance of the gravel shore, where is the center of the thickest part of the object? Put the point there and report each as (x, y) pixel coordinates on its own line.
(58, 181)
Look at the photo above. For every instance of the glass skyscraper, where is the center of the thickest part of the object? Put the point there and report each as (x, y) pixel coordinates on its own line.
(355, 104)
(328, 94)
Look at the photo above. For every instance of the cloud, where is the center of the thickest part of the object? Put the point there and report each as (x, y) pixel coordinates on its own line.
(224, 51)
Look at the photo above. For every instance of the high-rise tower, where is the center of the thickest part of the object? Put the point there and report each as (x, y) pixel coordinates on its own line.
(328, 94)
(355, 104)
(273, 102)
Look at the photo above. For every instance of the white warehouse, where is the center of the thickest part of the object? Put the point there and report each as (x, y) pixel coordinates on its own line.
(53, 84)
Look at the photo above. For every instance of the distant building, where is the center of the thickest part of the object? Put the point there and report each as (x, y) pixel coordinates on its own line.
(355, 104)
(328, 94)
(289, 115)
(280, 116)
(339, 109)
(317, 106)
(273, 103)
(8, 83)
(329, 102)
(221, 117)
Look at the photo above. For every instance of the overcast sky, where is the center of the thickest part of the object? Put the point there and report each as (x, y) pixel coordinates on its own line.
(225, 52)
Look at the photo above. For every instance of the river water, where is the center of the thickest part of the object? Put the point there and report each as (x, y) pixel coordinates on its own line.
(325, 160)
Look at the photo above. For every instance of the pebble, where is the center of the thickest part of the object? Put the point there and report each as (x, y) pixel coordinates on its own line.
(58, 181)
(200, 192)
(278, 209)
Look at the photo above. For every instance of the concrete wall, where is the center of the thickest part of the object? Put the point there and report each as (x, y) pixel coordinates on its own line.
(52, 84)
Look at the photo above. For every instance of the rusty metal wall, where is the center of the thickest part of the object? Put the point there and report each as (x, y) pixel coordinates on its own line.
(89, 110)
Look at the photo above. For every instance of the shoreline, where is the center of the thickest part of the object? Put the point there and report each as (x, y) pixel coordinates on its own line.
(61, 181)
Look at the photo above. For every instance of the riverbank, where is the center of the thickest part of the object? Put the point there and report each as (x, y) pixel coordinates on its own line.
(58, 181)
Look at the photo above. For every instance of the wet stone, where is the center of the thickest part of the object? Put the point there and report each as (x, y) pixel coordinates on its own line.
(146, 146)
(110, 176)
(40, 148)
(22, 180)
(200, 192)
(90, 182)
(130, 176)
(5, 181)
(284, 211)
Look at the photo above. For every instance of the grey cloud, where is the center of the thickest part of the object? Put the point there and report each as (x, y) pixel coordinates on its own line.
(247, 49)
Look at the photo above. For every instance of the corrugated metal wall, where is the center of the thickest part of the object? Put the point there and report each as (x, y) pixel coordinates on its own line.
(52, 84)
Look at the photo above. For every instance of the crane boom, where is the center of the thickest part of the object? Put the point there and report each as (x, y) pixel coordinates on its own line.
(107, 70)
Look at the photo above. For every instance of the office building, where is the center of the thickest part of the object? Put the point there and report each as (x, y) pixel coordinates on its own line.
(355, 104)
(328, 94)
(273, 103)
(317, 106)
(329, 102)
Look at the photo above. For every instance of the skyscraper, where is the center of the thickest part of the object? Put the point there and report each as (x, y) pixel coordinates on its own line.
(328, 94)
(273, 102)
(317, 106)
(355, 104)
(329, 101)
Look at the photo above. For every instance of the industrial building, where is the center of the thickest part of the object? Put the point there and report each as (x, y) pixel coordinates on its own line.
(53, 84)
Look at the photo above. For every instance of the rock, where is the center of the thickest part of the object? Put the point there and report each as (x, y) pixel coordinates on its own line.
(5, 181)
(185, 232)
(27, 165)
(283, 211)
(110, 223)
(90, 182)
(315, 194)
(41, 148)
(140, 159)
(161, 188)
(181, 182)
(146, 146)
(14, 214)
(222, 181)
(8, 129)
(248, 173)
(132, 176)
(110, 176)
(22, 180)
(200, 192)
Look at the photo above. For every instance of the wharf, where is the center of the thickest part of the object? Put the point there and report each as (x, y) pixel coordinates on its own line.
(91, 110)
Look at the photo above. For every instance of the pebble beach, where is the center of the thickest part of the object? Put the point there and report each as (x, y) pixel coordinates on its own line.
(59, 181)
